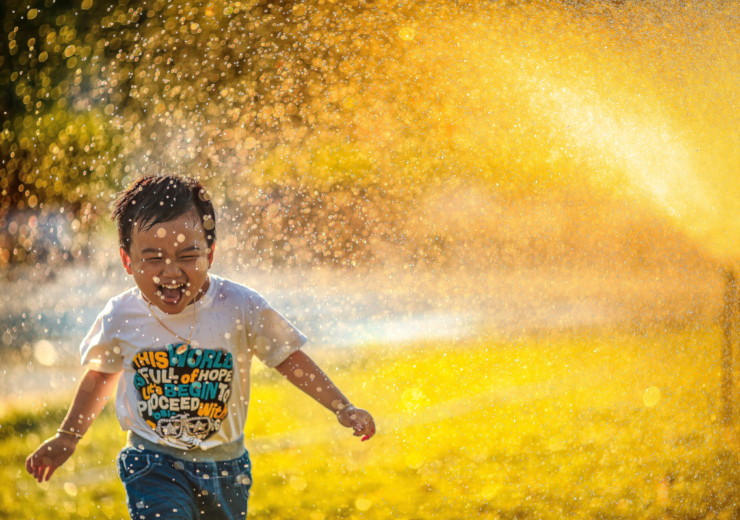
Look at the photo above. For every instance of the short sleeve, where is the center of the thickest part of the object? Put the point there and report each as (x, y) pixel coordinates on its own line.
(272, 337)
(97, 351)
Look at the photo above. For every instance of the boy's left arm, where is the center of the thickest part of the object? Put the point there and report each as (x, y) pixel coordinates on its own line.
(300, 370)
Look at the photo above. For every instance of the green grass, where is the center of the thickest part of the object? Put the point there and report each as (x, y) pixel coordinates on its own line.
(546, 427)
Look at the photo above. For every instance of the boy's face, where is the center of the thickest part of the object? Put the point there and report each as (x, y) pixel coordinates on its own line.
(170, 262)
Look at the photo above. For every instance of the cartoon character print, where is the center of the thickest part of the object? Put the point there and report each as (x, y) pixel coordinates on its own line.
(184, 391)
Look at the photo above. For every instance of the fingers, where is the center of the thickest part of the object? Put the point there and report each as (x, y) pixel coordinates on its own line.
(40, 469)
(364, 426)
(51, 471)
(360, 421)
(369, 429)
(45, 473)
(34, 467)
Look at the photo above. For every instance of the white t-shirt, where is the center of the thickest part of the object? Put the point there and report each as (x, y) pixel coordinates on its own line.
(188, 396)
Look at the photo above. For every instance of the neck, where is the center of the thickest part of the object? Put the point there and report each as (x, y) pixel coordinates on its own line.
(202, 291)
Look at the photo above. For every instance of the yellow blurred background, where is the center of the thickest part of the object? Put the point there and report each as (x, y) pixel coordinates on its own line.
(369, 109)
(505, 222)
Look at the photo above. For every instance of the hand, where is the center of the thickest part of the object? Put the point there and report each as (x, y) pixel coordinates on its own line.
(50, 455)
(359, 419)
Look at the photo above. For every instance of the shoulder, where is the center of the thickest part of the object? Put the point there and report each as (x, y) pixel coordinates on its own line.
(234, 292)
(125, 303)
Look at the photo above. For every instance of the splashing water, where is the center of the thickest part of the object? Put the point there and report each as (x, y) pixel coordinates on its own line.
(385, 135)
(620, 98)
(422, 176)
(380, 102)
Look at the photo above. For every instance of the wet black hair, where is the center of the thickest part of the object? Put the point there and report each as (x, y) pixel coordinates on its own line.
(153, 199)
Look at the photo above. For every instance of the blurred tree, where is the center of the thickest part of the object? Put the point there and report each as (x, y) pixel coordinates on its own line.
(56, 145)
(93, 93)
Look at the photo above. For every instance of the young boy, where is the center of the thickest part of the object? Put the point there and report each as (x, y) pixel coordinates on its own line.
(180, 347)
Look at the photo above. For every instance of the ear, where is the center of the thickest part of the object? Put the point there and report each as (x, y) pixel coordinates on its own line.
(126, 260)
(210, 254)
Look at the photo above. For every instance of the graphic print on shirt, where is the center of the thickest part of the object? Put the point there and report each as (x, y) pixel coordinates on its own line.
(184, 395)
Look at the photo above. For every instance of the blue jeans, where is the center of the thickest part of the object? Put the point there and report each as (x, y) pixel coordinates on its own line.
(161, 486)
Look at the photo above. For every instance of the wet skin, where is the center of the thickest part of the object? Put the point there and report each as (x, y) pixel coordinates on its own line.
(170, 262)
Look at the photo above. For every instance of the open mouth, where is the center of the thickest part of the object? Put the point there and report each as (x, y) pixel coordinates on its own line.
(171, 294)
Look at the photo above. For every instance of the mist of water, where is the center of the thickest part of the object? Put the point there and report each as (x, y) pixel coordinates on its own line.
(452, 145)
(635, 100)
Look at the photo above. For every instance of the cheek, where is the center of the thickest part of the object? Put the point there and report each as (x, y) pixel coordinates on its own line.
(201, 264)
(141, 270)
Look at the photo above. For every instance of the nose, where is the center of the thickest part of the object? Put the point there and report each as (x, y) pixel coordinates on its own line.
(171, 271)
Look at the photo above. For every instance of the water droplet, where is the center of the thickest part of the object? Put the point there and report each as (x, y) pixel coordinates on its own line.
(298, 483)
(651, 397)
(70, 489)
(44, 352)
(407, 34)
(363, 504)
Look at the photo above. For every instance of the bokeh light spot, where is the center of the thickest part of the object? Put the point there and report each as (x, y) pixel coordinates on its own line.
(44, 352)
(70, 489)
(651, 397)
(407, 34)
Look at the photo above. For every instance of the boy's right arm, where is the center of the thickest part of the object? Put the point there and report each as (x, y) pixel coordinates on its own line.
(92, 394)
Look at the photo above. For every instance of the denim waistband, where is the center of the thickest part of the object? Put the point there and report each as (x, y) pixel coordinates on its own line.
(227, 451)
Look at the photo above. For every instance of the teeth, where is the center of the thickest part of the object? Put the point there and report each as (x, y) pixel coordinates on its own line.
(173, 286)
